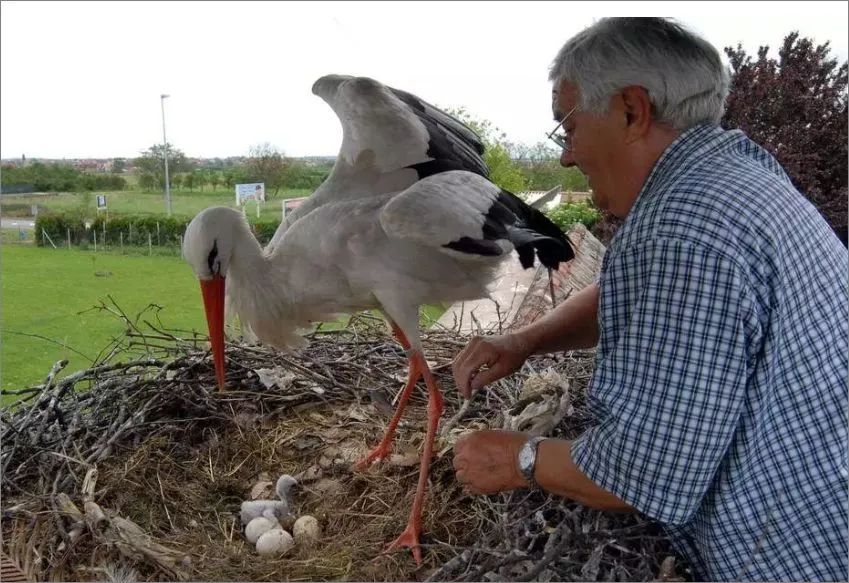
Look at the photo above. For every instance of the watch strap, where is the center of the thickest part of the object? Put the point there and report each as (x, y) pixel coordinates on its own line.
(528, 472)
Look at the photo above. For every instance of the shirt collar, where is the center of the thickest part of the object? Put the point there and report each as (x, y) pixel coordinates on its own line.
(692, 145)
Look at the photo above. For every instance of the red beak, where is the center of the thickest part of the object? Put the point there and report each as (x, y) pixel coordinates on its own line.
(213, 304)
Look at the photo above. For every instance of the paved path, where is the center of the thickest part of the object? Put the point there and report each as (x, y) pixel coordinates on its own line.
(12, 223)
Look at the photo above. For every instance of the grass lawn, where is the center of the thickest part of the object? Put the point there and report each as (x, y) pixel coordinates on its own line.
(133, 202)
(44, 291)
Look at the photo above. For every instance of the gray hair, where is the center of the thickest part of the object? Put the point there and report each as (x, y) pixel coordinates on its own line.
(685, 78)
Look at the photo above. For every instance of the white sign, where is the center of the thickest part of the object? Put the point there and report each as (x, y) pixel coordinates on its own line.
(101, 201)
(246, 192)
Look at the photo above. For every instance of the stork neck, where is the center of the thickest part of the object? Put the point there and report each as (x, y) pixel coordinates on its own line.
(257, 283)
(247, 258)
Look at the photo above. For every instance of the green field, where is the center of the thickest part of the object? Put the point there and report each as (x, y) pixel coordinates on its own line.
(44, 292)
(133, 202)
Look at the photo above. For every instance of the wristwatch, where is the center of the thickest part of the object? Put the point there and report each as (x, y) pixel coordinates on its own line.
(528, 460)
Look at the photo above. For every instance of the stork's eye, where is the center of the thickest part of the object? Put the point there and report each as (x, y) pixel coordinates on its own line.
(212, 257)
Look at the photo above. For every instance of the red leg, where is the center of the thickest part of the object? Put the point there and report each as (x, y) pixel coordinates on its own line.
(400, 336)
(382, 449)
(410, 537)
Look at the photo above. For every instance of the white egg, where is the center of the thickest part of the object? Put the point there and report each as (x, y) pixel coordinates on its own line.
(274, 542)
(306, 530)
(257, 527)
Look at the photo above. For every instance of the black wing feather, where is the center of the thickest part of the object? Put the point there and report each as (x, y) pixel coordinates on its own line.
(452, 144)
(531, 232)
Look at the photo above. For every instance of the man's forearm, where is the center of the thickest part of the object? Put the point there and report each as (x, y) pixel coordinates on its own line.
(558, 474)
(573, 324)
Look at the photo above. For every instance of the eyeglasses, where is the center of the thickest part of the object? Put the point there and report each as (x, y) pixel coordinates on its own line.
(563, 140)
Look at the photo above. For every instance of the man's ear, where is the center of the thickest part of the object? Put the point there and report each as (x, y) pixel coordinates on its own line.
(638, 112)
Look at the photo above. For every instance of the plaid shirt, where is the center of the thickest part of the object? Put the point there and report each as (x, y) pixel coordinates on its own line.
(720, 387)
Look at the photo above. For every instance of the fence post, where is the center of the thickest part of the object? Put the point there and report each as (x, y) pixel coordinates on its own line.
(121, 234)
(158, 243)
(46, 236)
(149, 245)
(68, 229)
(103, 239)
(94, 232)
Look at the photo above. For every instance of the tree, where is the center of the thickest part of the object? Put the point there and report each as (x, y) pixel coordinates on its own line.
(266, 164)
(42, 177)
(118, 165)
(189, 181)
(199, 178)
(152, 162)
(228, 178)
(796, 107)
(503, 171)
(540, 165)
(147, 182)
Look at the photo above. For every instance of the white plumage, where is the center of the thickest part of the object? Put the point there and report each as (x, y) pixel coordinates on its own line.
(406, 217)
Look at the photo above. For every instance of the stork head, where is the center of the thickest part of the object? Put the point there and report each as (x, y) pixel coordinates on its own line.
(208, 247)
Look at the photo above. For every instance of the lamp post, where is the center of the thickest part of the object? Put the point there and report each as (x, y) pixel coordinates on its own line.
(165, 142)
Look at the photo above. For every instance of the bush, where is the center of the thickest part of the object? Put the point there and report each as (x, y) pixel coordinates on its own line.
(57, 227)
(264, 230)
(569, 213)
(163, 231)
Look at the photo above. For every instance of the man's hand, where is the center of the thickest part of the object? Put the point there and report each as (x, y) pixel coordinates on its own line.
(501, 355)
(486, 462)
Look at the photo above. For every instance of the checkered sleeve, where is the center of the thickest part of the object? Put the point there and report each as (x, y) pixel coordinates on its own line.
(670, 384)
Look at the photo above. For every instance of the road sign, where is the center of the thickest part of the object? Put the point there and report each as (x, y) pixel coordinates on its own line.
(246, 192)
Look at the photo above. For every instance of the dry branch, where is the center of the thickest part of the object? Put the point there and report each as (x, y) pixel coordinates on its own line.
(159, 461)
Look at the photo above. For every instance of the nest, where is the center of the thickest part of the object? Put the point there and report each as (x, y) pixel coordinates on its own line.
(135, 468)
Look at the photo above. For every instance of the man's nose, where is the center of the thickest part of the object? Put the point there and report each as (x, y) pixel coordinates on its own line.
(566, 158)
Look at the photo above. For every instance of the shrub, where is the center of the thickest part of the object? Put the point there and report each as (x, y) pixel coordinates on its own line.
(569, 213)
(264, 230)
(57, 227)
(164, 231)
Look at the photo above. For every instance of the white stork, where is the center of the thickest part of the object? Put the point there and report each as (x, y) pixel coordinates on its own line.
(407, 217)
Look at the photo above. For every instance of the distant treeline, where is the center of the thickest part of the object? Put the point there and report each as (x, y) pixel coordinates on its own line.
(58, 178)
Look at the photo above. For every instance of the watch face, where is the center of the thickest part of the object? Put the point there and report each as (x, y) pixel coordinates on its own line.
(526, 458)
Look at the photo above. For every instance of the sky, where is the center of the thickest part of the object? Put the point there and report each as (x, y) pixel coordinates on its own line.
(84, 79)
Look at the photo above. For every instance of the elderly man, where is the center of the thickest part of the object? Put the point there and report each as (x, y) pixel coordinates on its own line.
(720, 316)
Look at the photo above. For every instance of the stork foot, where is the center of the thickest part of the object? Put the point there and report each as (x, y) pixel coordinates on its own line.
(408, 539)
(378, 454)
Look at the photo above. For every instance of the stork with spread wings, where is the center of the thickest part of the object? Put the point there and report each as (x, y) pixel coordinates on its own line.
(407, 217)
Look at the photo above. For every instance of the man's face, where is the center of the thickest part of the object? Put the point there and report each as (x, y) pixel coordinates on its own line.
(597, 146)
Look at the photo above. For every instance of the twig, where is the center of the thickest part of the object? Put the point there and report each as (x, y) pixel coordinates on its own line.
(51, 340)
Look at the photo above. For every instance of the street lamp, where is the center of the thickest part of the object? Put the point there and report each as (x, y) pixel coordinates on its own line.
(165, 142)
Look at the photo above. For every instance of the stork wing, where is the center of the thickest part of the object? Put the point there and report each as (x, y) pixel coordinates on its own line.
(390, 140)
(465, 215)
(392, 130)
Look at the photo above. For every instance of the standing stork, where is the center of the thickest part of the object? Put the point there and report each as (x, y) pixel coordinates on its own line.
(406, 217)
